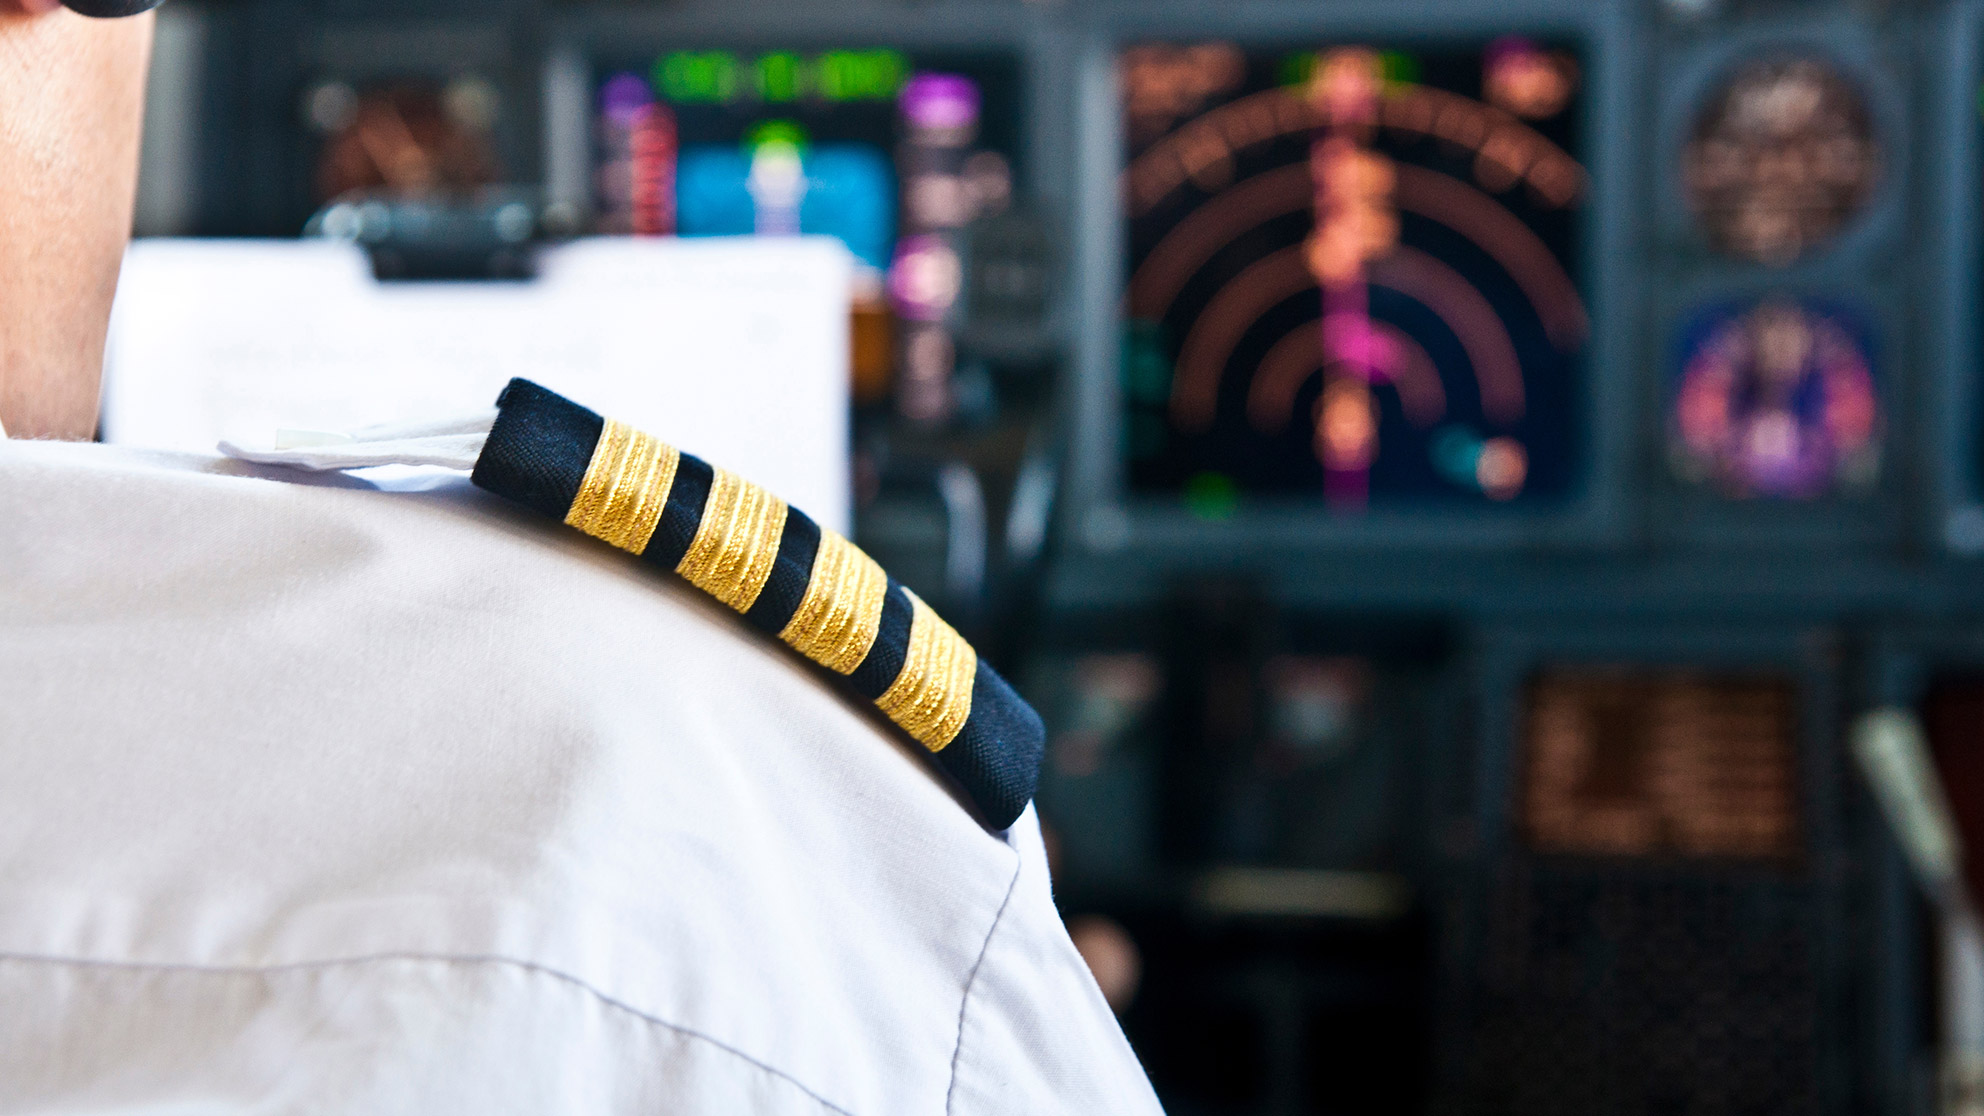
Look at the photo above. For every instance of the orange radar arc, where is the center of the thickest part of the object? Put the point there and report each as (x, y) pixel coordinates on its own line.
(1512, 245)
(1437, 197)
(1468, 315)
(1202, 358)
(1199, 237)
(1202, 151)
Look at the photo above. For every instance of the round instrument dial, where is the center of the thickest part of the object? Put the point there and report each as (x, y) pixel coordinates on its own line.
(1782, 157)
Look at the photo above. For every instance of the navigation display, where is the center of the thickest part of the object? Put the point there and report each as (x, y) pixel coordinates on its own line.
(1353, 273)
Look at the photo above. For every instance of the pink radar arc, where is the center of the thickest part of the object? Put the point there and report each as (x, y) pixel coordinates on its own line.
(1267, 282)
(1299, 355)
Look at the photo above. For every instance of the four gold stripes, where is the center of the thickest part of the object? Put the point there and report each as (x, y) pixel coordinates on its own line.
(736, 545)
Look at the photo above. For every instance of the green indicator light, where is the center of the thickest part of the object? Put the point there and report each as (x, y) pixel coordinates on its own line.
(1398, 68)
(861, 75)
(1394, 68)
(1297, 69)
(891, 70)
(840, 75)
(782, 76)
(1212, 496)
(692, 77)
(775, 133)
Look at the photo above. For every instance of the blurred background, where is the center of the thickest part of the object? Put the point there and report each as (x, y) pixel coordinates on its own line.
(1487, 495)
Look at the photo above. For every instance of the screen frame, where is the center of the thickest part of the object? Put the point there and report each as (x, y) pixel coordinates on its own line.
(1102, 520)
(1952, 353)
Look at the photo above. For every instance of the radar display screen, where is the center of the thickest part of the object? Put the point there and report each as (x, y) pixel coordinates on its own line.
(1775, 398)
(1643, 763)
(1353, 274)
(1781, 157)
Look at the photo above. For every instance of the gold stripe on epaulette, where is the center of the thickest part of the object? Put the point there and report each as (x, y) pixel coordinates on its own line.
(625, 487)
(836, 621)
(931, 698)
(736, 543)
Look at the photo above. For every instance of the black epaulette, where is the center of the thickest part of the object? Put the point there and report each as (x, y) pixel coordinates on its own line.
(789, 577)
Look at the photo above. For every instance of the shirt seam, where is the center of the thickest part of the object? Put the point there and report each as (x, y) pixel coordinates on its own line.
(450, 959)
(971, 981)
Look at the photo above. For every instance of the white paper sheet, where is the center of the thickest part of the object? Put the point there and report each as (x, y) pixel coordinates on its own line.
(733, 349)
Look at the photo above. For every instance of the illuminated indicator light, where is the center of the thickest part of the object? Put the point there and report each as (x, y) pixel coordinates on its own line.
(1296, 70)
(1521, 77)
(692, 77)
(1212, 496)
(1347, 426)
(652, 151)
(782, 76)
(1146, 370)
(623, 97)
(777, 179)
(861, 75)
(1646, 763)
(775, 133)
(926, 277)
(1501, 468)
(1456, 453)
(1394, 68)
(941, 104)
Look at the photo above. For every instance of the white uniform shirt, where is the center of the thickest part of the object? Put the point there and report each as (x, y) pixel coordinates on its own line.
(315, 798)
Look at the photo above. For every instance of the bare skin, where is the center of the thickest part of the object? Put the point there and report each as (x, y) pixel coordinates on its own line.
(71, 101)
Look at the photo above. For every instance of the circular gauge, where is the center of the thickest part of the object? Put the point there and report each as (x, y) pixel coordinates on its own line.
(1776, 399)
(1781, 157)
